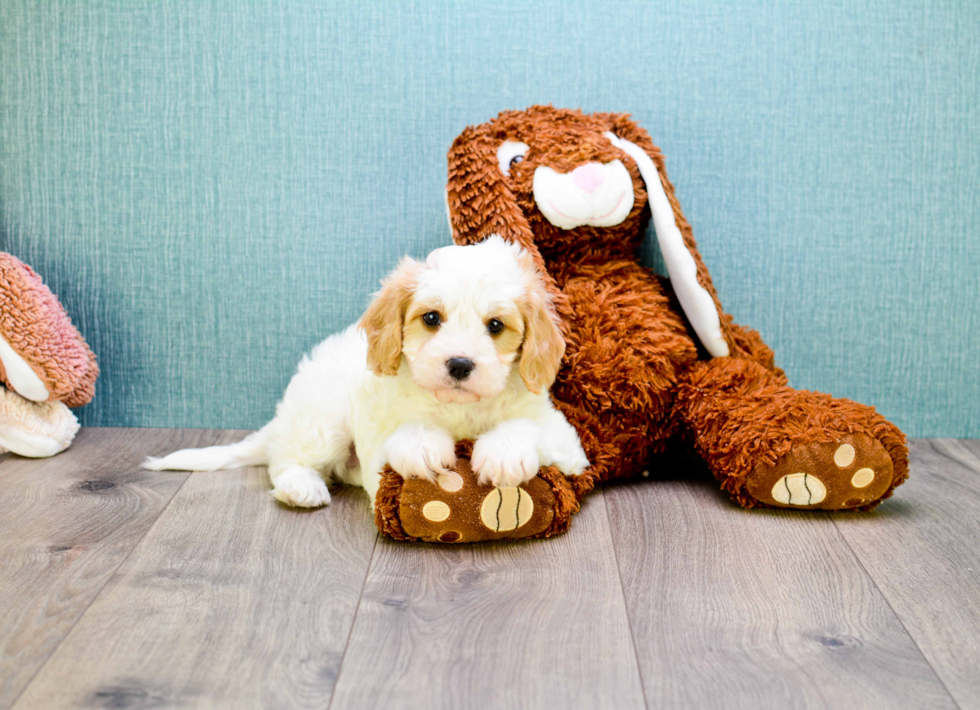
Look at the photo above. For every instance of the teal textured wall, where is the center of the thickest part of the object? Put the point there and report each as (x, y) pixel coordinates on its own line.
(213, 186)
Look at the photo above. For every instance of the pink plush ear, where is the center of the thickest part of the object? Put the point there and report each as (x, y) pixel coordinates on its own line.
(46, 352)
(686, 268)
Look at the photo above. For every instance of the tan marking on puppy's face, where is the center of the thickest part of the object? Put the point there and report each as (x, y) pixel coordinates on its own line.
(416, 332)
(509, 340)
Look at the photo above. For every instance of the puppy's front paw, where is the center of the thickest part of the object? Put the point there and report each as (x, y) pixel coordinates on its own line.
(559, 446)
(571, 461)
(420, 452)
(504, 459)
(300, 487)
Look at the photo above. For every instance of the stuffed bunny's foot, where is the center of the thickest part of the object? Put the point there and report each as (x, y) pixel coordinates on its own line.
(458, 507)
(852, 472)
(35, 430)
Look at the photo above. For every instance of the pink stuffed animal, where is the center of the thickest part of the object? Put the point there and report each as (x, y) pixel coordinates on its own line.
(45, 363)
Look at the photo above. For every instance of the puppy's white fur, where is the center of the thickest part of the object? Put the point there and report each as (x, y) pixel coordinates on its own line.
(381, 391)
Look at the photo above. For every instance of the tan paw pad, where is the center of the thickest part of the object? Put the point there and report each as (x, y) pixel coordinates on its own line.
(844, 456)
(506, 509)
(853, 471)
(436, 511)
(450, 481)
(862, 478)
(799, 489)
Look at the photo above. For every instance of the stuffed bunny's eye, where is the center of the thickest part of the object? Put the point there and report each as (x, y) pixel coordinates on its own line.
(509, 154)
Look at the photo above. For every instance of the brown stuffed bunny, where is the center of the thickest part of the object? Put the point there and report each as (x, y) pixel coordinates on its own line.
(652, 364)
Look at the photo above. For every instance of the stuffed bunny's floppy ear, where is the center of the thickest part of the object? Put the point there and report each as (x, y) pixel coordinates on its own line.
(688, 274)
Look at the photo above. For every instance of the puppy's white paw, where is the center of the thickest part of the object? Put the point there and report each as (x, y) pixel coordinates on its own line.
(504, 458)
(571, 461)
(559, 446)
(300, 487)
(415, 451)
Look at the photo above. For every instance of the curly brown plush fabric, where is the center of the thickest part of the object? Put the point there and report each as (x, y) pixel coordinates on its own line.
(635, 380)
(35, 325)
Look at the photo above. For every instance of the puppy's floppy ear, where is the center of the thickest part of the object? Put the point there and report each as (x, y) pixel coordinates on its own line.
(543, 345)
(688, 274)
(384, 319)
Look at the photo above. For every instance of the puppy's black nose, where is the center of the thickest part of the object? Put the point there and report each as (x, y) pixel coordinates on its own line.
(460, 367)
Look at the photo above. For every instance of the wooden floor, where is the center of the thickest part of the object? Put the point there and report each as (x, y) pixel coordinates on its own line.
(122, 588)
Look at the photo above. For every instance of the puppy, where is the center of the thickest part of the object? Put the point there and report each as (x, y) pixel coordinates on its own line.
(461, 346)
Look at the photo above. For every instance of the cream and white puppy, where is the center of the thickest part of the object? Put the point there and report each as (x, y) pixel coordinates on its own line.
(461, 346)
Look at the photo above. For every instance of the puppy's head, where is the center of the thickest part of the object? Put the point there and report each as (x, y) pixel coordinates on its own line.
(463, 319)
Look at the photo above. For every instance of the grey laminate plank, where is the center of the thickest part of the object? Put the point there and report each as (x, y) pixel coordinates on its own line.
(923, 551)
(534, 624)
(231, 600)
(733, 608)
(66, 524)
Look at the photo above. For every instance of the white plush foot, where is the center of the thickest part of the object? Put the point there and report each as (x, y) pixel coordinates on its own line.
(506, 456)
(300, 487)
(416, 451)
(36, 430)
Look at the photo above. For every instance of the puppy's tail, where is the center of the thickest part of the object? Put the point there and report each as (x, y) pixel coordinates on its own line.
(250, 451)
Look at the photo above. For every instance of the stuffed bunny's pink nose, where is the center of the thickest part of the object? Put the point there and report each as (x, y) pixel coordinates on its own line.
(589, 177)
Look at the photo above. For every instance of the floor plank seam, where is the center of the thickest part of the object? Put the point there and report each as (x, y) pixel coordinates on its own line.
(622, 592)
(98, 594)
(881, 593)
(353, 623)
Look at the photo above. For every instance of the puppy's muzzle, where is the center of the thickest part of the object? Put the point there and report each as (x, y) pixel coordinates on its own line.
(459, 367)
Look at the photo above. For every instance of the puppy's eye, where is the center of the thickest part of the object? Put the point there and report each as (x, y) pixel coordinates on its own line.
(494, 326)
(431, 319)
(509, 154)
